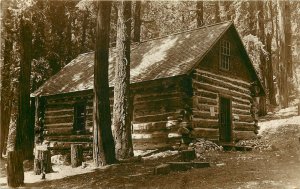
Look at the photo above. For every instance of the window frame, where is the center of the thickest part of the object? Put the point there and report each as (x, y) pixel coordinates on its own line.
(224, 55)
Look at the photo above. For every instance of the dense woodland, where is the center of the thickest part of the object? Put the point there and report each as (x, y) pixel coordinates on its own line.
(39, 37)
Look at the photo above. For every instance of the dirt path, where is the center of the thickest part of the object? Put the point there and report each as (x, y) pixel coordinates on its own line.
(229, 170)
(275, 168)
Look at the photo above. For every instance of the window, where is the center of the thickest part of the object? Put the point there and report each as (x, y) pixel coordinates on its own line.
(79, 117)
(224, 55)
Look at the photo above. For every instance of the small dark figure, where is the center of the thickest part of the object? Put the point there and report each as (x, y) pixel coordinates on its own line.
(186, 127)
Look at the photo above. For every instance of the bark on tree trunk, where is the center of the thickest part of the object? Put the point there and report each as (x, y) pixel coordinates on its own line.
(84, 28)
(122, 116)
(137, 22)
(199, 12)
(217, 12)
(261, 35)
(283, 87)
(76, 155)
(103, 142)
(15, 172)
(269, 63)
(269, 75)
(288, 39)
(6, 96)
(25, 131)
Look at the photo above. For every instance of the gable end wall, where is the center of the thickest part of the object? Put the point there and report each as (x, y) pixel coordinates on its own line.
(210, 83)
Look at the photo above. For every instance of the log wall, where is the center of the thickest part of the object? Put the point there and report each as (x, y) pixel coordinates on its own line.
(59, 119)
(208, 88)
(153, 103)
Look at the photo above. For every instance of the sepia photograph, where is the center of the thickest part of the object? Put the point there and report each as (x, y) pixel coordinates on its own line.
(150, 94)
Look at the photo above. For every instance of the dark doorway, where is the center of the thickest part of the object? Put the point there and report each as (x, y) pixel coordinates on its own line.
(79, 117)
(225, 120)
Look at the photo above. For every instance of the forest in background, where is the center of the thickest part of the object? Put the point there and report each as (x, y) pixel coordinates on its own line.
(61, 30)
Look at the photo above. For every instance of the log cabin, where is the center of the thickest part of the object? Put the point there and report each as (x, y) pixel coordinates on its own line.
(204, 72)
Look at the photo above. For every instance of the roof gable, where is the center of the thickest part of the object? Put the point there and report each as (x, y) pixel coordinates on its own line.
(164, 57)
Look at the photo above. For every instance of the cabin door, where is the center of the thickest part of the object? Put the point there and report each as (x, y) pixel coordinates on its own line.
(225, 120)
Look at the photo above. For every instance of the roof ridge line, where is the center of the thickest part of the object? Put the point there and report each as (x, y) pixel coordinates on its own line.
(184, 31)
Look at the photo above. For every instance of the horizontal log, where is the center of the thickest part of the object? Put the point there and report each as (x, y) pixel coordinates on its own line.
(218, 82)
(150, 146)
(71, 138)
(205, 107)
(245, 118)
(157, 117)
(58, 131)
(205, 133)
(59, 119)
(59, 112)
(152, 126)
(63, 131)
(154, 96)
(61, 144)
(240, 106)
(239, 111)
(222, 90)
(78, 94)
(241, 100)
(208, 101)
(244, 135)
(174, 102)
(205, 123)
(244, 126)
(240, 82)
(59, 106)
(205, 93)
(64, 149)
(157, 134)
(205, 115)
(55, 125)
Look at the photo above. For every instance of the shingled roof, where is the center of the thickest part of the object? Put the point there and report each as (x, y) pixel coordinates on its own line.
(164, 57)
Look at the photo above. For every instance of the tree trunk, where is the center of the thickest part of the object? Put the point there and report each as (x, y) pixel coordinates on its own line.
(283, 87)
(25, 130)
(103, 142)
(288, 48)
(76, 155)
(269, 75)
(84, 28)
(122, 116)
(252, 18)
(217, 12)
(269, 63)
(288, 39)
(6, 96)
(15, 172)
(199, 12)
(137, 22)
(261, 35)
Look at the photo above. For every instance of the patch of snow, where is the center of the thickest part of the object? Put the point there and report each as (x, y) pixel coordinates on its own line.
(292, 110)
(60, 171)
(272, 125)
